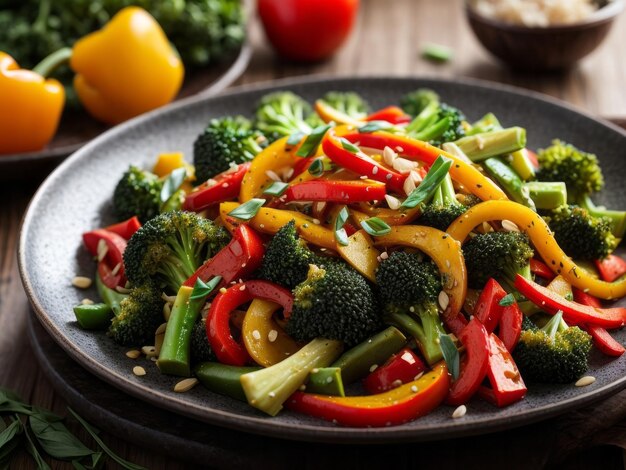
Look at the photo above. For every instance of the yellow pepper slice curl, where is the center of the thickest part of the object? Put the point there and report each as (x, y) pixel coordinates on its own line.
(389, 216)
(126, 68)
(330, 114)
(541, 237)
(269, 220)
(266, 342)
(444, 250)
(361, 254)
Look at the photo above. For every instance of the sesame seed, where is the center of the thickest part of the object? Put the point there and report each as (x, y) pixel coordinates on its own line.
(302, 388)
(271, 394)
(388, 176)
(225, 185)
(448, 264)
(584, 381)
(315, 371)
(261, 226)
(86, 302)
(185, 385)
(412, 309)
(243, 265)
(414, 388)
(139, 371)
(373, 367)
(316, 221)
(329, 380)
(223, 290)
(363, 177)
(272, 335)
(399, 149)
(116, 269)
(418, 376)
(81, 282)
(459, 412)
(133, 353)
(396, 383)
(444, 300)
(101, 249)
(256, 334)
(272, 175)
(509, 226)
(384, 255)
(374, 170)
(243, 287)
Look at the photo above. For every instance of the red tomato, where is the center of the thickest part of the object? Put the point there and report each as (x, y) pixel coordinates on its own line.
(307, 30)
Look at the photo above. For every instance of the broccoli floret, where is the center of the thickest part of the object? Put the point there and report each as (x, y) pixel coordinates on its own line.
(334, 302)
(409, 287)
(579, 170)
(555, 353)
(414, 102)
(224, 141)
(287, 259)
(140, 314)
(201, 350)
(443, 208)
(283, 113)
(170, 247)
(454, 129)
(501, 255)
(347, 102)
(137, 193)
(581, 235)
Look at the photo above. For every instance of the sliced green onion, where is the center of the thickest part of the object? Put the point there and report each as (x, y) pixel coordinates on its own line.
(172, 183)
(349, 146)
(277, 188)
(374, 126)
(342, 237)
(376, 227)
(450, 354)
(340, 233)
(437, 52)
(202, 289)
(309, 147)
(429, 185)
(248, 209)
(507, 300)
(295, 138)
(317, 167)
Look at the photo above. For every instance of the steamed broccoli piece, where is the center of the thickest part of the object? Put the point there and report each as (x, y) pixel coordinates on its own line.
(140, 314)
(414, 102)
(287, 258)
(579, 170)
(137, 193)
(500, 255)
(168, 249)
(283, 113)
(201, 350)
(334, 302)
(348, 102)
(224, 141)
(443, 208)
(555, 353)
(409, 288)
(581, 235)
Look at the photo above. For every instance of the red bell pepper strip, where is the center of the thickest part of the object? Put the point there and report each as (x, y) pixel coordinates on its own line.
(473, 365)
(113, 258)
(335, 191)
(391, 114)
(611, 268)
(226, 348)
(602, 339)
(573, 313)
(401, 368)
(125, 229)
(488, 309)
(510, 326)
(539, 268)
(223, 187)
(532, 156)
(241, 257)
(360, 163)
(397, 406)
(507, 385)
(302, 165)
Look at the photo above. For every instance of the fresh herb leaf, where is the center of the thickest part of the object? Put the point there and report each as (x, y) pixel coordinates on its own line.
(309, 146)
(349, 146)
(375, 227)
(123, 463)
(507, 300)
(56, 440)
(342, 217)
(247, 210)
(31, 448)
(201, 289)
(277, 189)
(295, 138)
(316, 168)
(172, 183)
(11, 431)
(374, 126)
(450, 355)
(429, 185)
(437, 52)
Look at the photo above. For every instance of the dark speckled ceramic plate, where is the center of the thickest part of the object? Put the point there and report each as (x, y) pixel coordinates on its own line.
(76, 198)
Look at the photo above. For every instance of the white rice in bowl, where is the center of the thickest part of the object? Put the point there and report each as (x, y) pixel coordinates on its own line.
(535, 13)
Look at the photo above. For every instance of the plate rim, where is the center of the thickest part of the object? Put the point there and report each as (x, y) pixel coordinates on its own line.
(263, 425)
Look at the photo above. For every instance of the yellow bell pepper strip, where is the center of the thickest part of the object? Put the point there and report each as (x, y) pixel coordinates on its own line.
(126, 68)
(397, 406)
(444, 250)
(31, 108)
(168, 162)
(330, 114)
(389, 216)
(266, 342)
(466, 174)
(540, 235)
(361, 254)
(560, 286)
(335, 191)
(276, 156)
(269, 220)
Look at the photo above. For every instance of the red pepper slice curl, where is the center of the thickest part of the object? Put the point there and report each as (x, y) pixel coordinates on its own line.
(602, 339)
(611, 268)
(335, 191)
(113, 258)
(125, 229)
(391, 114)
(223, 187)
(510, 326)
(539, 268)
(401, 368)
(488, 309)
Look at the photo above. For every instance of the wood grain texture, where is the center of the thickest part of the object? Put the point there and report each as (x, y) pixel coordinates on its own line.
(386, 41)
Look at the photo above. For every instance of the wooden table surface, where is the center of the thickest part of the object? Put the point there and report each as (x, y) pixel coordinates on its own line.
(387, 41)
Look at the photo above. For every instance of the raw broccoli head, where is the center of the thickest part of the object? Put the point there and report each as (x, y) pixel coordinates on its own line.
(348, 102)
(201, 350)
(416, 101)
(553, 354)
(224, 141)
(137, 193)
(140, 315)
(334, 302)
(581, 235)
(579, 170)
(169, 248)
(283, 113)
(500, 255)
(287, 259)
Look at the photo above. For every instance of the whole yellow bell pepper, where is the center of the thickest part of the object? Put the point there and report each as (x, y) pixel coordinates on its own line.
(126, 68)
(31, 108)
